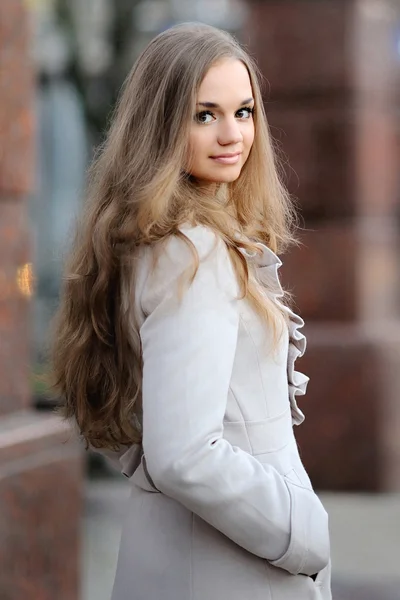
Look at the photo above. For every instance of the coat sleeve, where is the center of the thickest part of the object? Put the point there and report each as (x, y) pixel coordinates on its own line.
(188, 353)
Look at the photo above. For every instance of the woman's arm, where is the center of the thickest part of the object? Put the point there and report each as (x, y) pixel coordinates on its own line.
(188, 352)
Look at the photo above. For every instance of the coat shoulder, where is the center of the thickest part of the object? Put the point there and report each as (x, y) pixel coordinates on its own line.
(198, 255)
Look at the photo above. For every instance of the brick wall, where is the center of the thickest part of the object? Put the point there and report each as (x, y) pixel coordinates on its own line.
(40, 469)
(333, 75)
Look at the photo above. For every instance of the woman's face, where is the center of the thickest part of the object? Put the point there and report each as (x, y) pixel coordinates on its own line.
(222, 131)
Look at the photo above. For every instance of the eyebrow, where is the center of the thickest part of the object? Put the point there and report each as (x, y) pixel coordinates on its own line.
(214, 105)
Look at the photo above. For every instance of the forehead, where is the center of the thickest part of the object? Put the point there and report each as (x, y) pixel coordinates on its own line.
(225, 82)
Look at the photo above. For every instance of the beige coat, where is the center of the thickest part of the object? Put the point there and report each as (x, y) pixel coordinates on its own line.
(221, 505)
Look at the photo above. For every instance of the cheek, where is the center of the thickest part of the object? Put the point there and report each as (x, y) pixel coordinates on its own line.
(199, 145)
(250, 134)
(198, 152)
(248, 139)
(194, 143)
(193, 153)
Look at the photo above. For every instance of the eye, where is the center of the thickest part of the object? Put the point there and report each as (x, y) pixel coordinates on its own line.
(245, 112)
(204, 117)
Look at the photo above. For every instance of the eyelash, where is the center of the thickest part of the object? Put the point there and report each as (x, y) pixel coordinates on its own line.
(250, 109)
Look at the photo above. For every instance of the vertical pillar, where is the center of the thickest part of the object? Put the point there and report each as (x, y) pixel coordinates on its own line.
(40, 470)
(332, 69)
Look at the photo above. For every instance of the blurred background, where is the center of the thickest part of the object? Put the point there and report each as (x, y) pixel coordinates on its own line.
(332, 97)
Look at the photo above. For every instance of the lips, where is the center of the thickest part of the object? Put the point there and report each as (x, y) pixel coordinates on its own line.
(228, 158)
(229, 155)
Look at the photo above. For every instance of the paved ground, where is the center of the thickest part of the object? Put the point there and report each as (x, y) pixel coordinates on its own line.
(365, 542)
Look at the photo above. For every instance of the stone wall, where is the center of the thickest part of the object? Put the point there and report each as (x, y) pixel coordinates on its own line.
(332, 71)
(40, 469)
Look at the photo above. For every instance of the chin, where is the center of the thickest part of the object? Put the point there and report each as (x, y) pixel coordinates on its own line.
(227, 177)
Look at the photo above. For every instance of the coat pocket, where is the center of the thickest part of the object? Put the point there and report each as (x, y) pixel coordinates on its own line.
(309, 547)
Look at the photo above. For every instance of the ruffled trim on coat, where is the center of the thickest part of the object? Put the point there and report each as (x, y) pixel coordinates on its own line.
(267, 265)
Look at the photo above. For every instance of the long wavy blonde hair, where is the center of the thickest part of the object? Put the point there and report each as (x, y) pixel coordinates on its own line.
(138, 194)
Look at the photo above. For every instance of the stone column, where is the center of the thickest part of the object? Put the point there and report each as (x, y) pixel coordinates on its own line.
(332, 69)
(40, 469)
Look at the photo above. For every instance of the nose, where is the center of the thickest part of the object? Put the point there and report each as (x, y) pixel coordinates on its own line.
(229, 132)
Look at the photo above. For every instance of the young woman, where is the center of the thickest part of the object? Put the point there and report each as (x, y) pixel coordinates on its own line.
(174, 348)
